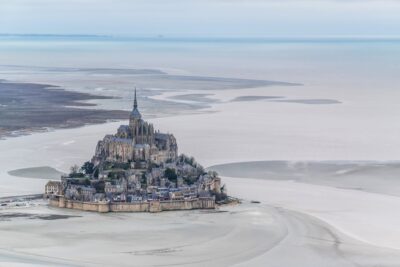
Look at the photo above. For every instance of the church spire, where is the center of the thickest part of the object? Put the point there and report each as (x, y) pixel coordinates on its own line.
(135, 101)
(135, 114)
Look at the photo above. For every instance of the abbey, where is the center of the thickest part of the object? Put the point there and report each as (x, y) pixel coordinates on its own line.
(137, 143)
(137, 169)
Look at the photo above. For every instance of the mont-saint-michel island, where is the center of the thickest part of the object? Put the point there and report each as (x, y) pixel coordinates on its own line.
(138, 169)
(262, 133)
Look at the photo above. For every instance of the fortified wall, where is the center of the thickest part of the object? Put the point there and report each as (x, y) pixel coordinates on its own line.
(152, 206)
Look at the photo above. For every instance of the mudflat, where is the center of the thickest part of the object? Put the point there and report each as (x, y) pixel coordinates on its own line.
(27, 107)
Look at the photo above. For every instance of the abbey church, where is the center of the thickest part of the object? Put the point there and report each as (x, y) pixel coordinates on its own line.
(138, 170)
(137, 144)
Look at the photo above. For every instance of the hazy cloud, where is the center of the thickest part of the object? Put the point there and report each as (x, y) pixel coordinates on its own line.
(202, 18)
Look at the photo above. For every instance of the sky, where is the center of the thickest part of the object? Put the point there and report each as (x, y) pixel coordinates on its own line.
(203, 18)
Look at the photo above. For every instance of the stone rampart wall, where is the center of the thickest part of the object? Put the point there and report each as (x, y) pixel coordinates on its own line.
(202, 203)
(153, 206)
(129, 207)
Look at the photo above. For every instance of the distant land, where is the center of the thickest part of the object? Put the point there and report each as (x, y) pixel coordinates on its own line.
(201, 39)
(51, 35)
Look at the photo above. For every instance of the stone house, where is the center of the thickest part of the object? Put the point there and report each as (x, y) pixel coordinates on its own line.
(53, 188)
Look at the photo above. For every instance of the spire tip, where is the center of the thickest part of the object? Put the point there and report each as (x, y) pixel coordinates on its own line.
(135, 105)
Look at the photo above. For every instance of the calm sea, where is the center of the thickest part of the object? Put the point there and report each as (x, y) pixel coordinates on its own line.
(339, 61)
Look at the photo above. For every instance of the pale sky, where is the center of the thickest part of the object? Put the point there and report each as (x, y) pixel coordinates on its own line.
(203, 18)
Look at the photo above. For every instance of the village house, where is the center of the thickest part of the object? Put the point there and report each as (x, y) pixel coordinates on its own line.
(52, 188)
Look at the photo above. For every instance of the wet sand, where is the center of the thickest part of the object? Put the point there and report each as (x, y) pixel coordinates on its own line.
(27, 107)
(311, 101)
(371, 176)
(196, 98)
(254, 98)
(9, 216)
(74, 97)
(193, 238)
(320, 225)
(248, 234)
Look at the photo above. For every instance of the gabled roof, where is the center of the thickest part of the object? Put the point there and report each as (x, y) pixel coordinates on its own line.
(53, 183)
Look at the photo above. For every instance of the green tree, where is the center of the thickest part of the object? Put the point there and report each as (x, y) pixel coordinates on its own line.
(87, 167)
(170, 174)
(75, 173)
(99, 186)
(74, 169)
(143, 179)
(96, 173)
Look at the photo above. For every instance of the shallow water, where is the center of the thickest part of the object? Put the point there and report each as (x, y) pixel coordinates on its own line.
(43, 172)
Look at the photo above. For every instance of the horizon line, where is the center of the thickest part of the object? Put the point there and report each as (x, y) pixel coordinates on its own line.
(162, 37)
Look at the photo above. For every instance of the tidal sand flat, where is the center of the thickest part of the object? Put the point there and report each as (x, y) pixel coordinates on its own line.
(8, 216)
(197, 98)
(372, 176)
(367, 217)
(314, 216)
(282, 99)
(193, 238)
(312, 242)
(29, 107)
(243, 235)
(101, 71)
(220, 83)
(254, 98)
(311, 101)
(116, 86)
(356, 197)
(120, 81)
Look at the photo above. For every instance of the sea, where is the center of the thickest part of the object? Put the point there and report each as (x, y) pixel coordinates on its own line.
(369, 61)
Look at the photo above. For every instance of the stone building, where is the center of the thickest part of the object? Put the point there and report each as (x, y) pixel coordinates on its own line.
(137, 169)
(137, 143)
(53, 188)
(80, 192)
